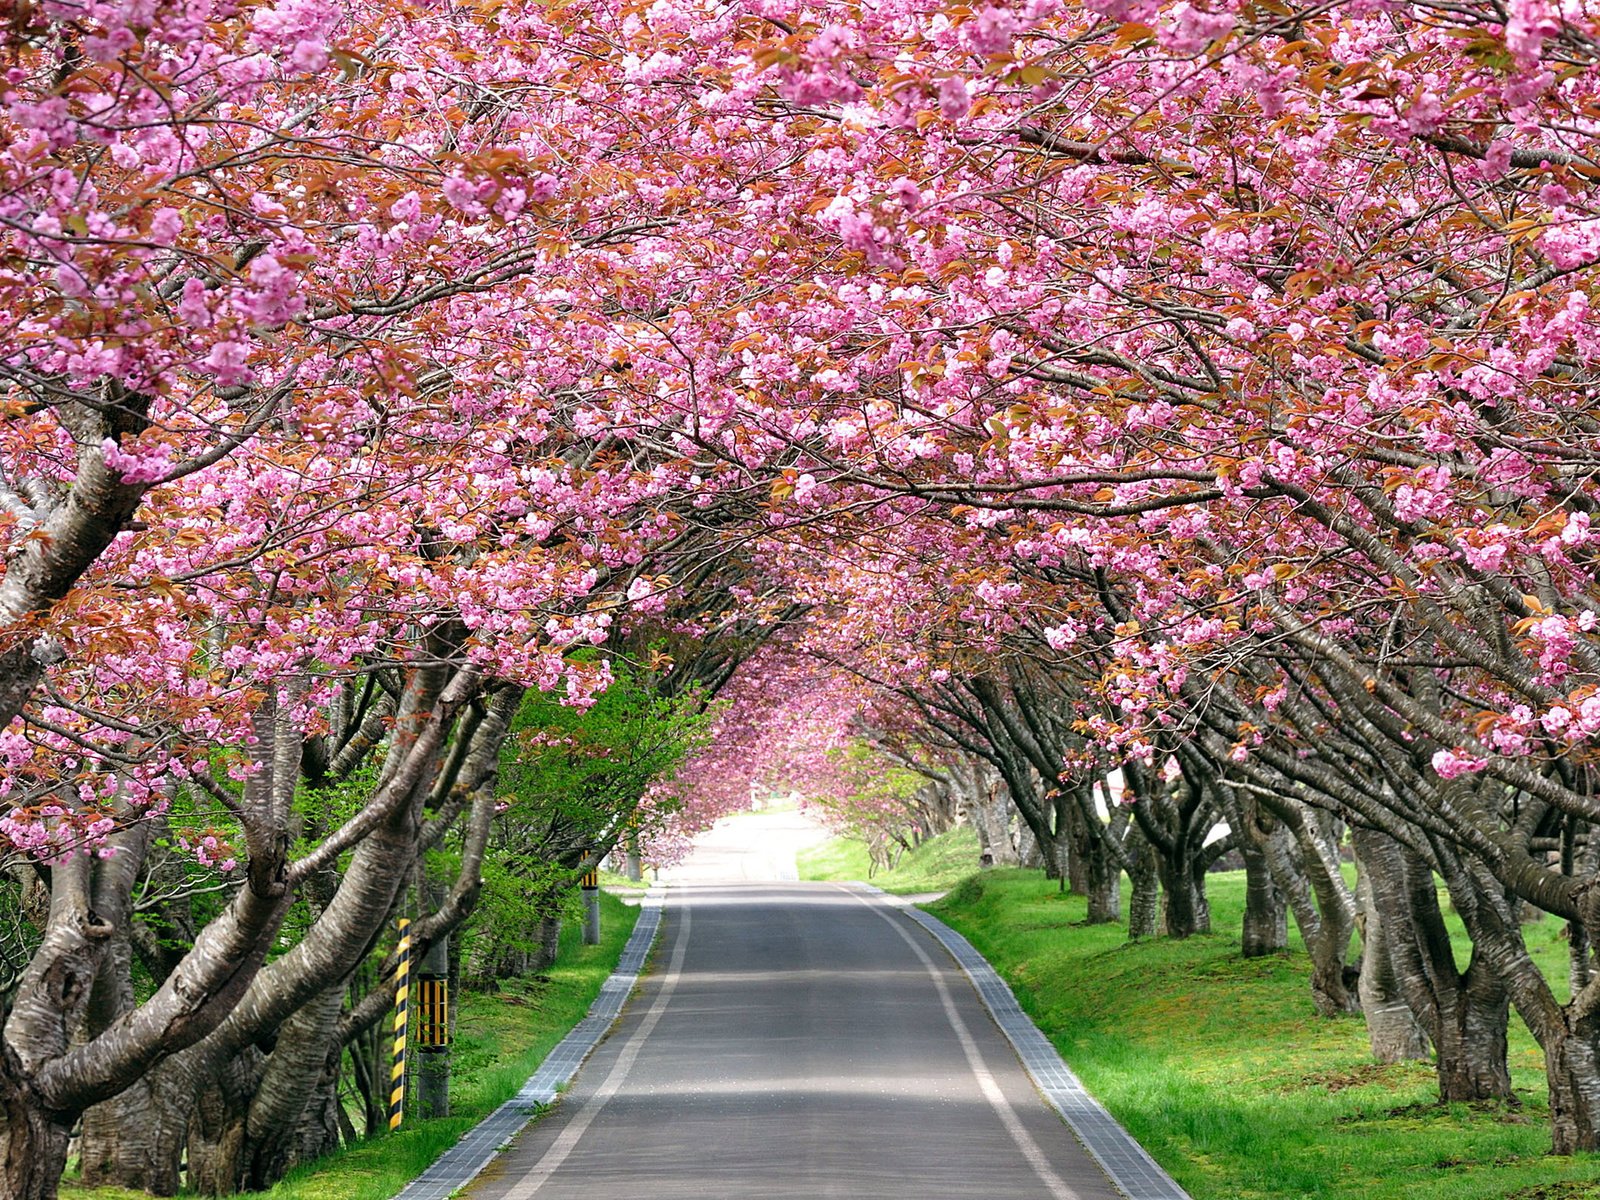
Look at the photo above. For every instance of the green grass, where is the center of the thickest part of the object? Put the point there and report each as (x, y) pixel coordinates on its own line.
(1222, 1069)
(500, 1040)
(935, 866)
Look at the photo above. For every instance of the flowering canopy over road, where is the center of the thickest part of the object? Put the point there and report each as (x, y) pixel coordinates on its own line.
(1201, 390)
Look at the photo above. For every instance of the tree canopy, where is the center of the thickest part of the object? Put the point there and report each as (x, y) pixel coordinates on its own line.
(1162, 415)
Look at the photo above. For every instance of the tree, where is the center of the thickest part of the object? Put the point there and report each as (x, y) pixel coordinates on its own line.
(574, 781)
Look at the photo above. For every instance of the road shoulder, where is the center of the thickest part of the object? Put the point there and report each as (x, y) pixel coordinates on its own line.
(464, 1161)
(1122, 1158)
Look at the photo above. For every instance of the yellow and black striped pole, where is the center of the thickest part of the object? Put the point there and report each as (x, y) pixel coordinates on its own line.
(402, 996)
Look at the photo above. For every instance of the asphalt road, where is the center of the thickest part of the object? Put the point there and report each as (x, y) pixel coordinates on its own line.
(798, 1040)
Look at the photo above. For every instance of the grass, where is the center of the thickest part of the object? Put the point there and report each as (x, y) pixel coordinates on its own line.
(935, 866)
(1222, 1069)
(501, 1038)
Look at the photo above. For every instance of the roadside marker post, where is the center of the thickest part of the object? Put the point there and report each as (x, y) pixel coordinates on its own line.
(591, 907)
(432, 1036)
(635, 861)
(433, 1031)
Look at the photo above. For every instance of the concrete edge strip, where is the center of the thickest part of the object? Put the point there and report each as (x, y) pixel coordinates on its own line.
(1124, 1160)
(462, 1163)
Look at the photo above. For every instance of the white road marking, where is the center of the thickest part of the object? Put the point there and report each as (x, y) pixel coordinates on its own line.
(564, 1144)
(1058, 1187)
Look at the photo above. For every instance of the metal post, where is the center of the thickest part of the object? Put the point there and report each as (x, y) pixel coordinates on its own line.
(402, 996)
(635, 866)
(433, 1034)
(591, 907)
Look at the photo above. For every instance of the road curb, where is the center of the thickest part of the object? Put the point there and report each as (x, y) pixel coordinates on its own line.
(1125, 1161)
(462, 1163)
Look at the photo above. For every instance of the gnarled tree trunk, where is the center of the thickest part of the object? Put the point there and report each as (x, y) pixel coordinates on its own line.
(1312, 854)
(1144, 906)
(1266, 909)
(136, 1140)
(1464, 1012)
(1184, 908)
(298, 1064)
(33, 1140)
(1393, 1030)
(217, 1125)
(1102, 853)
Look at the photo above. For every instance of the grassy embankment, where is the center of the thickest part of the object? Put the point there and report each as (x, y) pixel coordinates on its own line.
(935, 866)
(501, 1038)
(1220, 1066)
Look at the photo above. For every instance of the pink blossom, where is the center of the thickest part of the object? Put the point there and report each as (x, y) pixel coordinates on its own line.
(954, 97)
(227, 363)
(144, 465)
(1531, 24)
(1450, 764)
(991, 30)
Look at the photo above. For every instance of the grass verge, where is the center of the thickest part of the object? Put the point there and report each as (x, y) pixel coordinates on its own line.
(1219, 1066)
(501, 1039)
(935, 866)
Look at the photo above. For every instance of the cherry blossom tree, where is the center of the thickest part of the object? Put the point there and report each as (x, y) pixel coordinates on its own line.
(1201, 392)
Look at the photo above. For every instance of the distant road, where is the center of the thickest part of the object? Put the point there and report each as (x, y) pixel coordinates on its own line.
(796, 1040)
(749, 846)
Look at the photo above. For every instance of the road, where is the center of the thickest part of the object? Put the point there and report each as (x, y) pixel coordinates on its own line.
(796, 1041)
(749, 846)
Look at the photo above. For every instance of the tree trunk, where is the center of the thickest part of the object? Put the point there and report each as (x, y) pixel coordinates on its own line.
(54, 1006)
(1569, 1034)
(1105, 889)
(1029, 853)
(1144, 907)
(219, 996)
(1572, 1068)
(367, 1062)
(1175, 820)
(130, 1140)
(990, 814)
(1075, 837)
(1469, 1037)
(136, 1140)
(1317, 849)
(1054, 855)
(1471, 1042)
(549, 941)
(297, 1066)
(217, 1130)
(1266, 910)
(1464, 1013)
(1100, 848)
(33, 1142)
(1184, 906)
(1580, 958)
(323, 1125)
(1393, 1030)
(635, 864)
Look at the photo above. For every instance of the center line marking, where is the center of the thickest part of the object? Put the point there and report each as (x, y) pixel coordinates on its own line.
(539, 1174)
